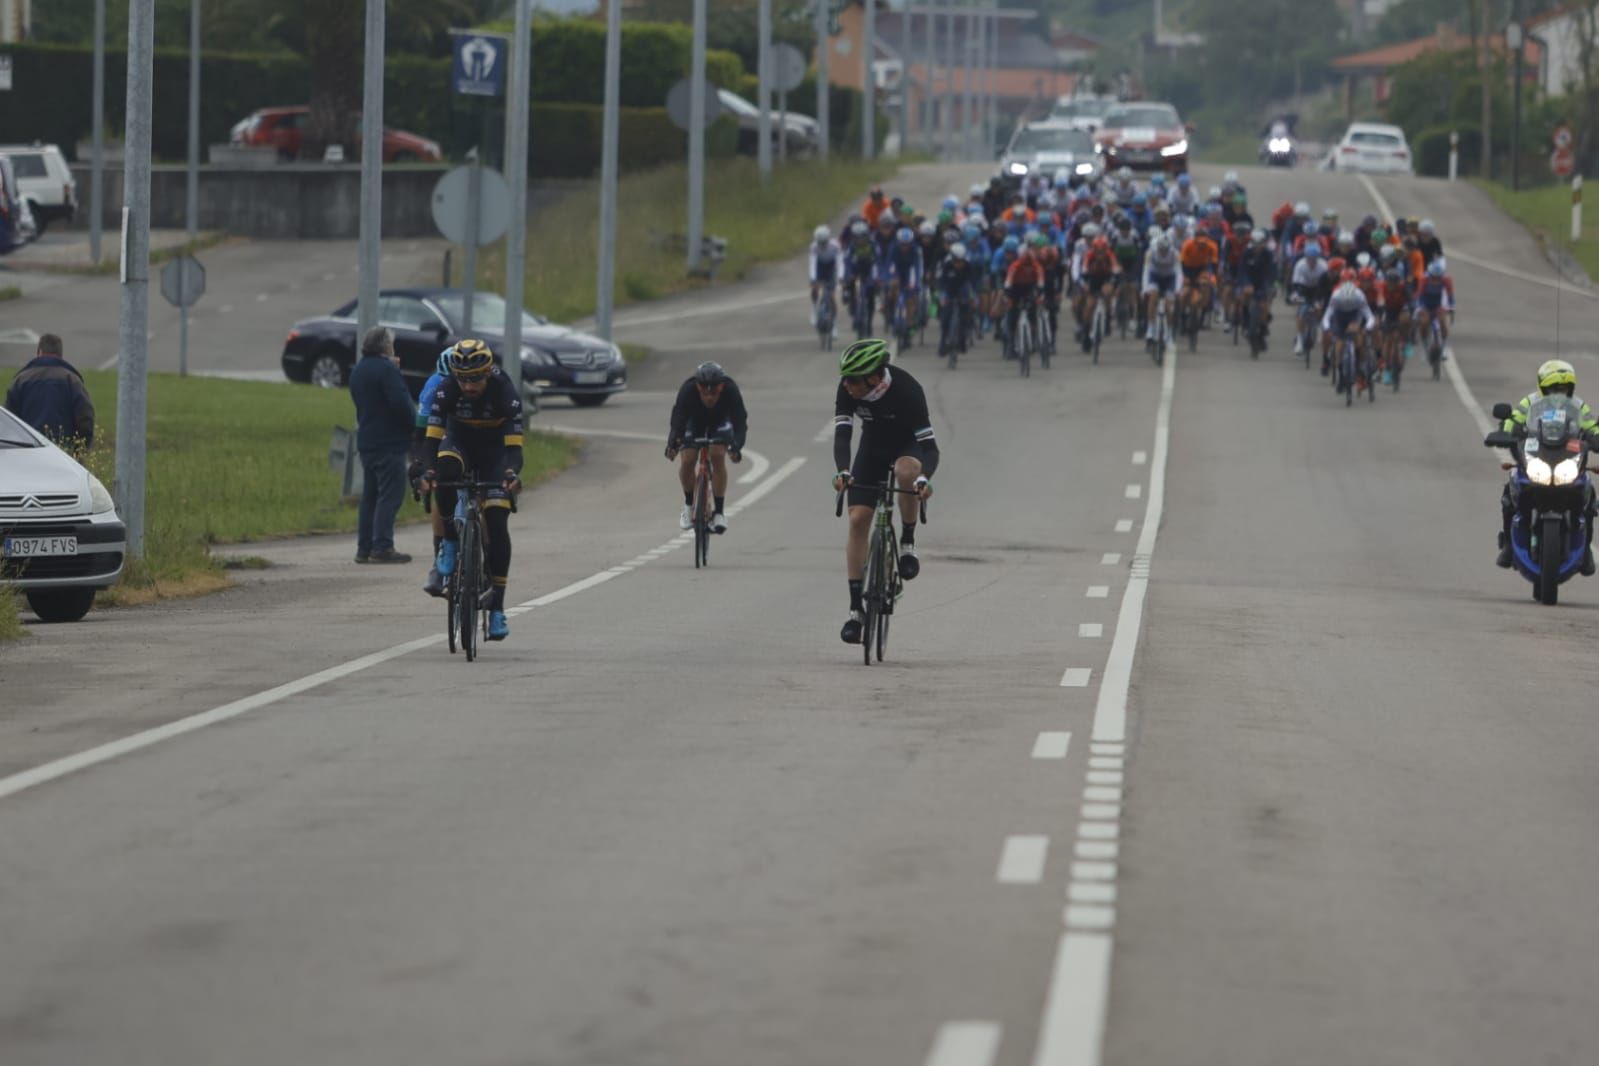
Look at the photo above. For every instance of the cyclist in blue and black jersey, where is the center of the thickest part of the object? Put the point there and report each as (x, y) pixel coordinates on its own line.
(475, 426)
(860, 270)
(424, 406)
(902, 269)
(957, 288)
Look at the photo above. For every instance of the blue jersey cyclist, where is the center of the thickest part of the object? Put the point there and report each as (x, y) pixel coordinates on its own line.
(475, 426)
(424, 407)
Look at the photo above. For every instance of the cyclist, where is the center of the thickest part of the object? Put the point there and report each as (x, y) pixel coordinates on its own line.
(1024, 278)
(1434, 302)
(1555, 375)
(874, 206)
(895, 431)
(860, 274)
(424, 406)
(957, 292)
(475, 425)
(1347, 310)
(1254, 277)
(1199, 257)
(1161, 277)
(902, 270)
(708, 405)
(1427, 242)
(1394, 299)
(1184, 200)
(1306, 287)
(1100, 274)
(825, 267)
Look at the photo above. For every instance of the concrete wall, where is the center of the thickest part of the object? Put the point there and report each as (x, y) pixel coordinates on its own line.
(289, 201)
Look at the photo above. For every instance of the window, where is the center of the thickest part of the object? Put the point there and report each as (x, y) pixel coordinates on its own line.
(1034, 139)
(1374, 140)
(405, 312)
(1132, 117)
(29, 166)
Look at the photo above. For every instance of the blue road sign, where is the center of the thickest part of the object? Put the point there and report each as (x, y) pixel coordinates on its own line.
(479, 68)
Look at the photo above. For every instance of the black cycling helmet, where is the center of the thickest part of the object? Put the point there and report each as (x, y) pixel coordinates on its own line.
(709, 374)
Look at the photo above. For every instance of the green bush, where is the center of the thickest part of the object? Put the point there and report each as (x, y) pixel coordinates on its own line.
(1431, 147)
(565, 140)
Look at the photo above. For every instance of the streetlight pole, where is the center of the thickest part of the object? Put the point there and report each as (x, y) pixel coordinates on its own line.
(371, 244)
(133, 320)
(763, 91)
(824, 122)
(191, 180)
(696, 139)
(97, 152)
(521, 80)
(605, 284)
(905, 77)
(868, 83)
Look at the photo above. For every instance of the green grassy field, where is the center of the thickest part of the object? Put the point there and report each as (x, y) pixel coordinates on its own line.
(234, 461)
(10, 621)
(761, 223)
(1547, 213)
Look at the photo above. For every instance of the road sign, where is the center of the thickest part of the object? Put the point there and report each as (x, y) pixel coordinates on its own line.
(183, 281)
(451, 206)
(479, 64)
(788, 64)
(1562, 136)
(1562, 161)
(677, 104)
(5, 72)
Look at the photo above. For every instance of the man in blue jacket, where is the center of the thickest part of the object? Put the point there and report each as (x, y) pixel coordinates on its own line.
(50, 396)
(384, 416)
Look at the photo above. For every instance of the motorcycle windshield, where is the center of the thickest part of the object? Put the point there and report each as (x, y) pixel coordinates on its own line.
(1553, 422)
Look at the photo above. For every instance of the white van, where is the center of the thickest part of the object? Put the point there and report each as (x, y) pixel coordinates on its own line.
(45, 180)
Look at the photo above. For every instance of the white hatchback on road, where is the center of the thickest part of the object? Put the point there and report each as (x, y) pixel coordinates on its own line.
(45, 180)
(60, 537)
(1373, 148)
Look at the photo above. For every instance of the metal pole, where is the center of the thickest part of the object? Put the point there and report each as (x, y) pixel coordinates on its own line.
(371, 245)
(968, 93)
(868, 83)
(994, 71)
(782, 126)
(133, 322)
(905, 77)
(929, 113)
(516, 177)
(948, 131)
(474, 220)
(824, 46)
(696, 140)
(605, 284)
(191, 181)
(97, 152)
(1576, 208)
(1487, 93)
(1515, 108)
(763, 92)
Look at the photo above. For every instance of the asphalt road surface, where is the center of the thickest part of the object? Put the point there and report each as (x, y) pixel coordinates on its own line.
(1208, 735)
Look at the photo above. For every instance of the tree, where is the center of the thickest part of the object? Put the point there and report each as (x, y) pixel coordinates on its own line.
(732, 24)
(1250, 54)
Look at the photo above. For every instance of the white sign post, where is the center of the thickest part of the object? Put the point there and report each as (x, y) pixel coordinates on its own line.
(1576, 207)
(1454, 156)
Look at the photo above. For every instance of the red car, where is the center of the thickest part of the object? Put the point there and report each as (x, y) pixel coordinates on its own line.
(1143, 136)
(280, 127)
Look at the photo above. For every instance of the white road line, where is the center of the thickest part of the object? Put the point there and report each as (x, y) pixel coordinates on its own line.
(1096, 849)
(627, 322)
(1074, 1023)
(1102, 810)
(824, 434)
(1093, 871)
(1098, 592)
(1110, 558)
(1091, 892)
(1140, 458)
(1124, 525)
(1103, 793)
(1022, 860)
(1085, 916)
(964, 1044)
(1076, 677)
(110, 364)
(1091, 630)
(1052, 745)
(757, 470)
(1134, 491)
(1103, 777)
(1111, 748)
(1106, 762)
(58, 768)
(758, 462)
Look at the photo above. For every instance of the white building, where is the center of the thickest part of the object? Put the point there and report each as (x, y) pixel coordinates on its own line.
(16, 18)
(1560, 69)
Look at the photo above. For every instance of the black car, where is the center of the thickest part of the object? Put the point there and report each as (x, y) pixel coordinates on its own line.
(555, 360)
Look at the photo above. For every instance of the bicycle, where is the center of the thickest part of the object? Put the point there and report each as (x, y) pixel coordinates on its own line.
(468, 586)
(955, 328)
(902, 322)
(1435, 347)
(1125, 301)
(1344, 370)
(826, 316)
(1021, 344)
(1097, 327)
(703, 509)
(1309, 332)
(865, 295)
(882, 586)
(1162, 324)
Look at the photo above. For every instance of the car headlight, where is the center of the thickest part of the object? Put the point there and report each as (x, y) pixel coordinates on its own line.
(1085, 169)
(1017, 169)
(1174, 149)
(533, 357)
(1538, 471)
(1566, 471)
(100, 500)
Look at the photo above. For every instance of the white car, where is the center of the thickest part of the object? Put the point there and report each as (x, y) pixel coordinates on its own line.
(27, 228)
(60, 537)
(1081, 112)
(45, 180)
(1372, 148)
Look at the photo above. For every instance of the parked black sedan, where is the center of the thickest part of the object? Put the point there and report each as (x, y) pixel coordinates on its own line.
(555, 360)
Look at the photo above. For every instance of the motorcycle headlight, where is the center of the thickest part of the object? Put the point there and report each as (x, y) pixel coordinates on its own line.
(1566, 471)
(1174, 149)
(1279, 144)
(1538, 471)
(100, 500)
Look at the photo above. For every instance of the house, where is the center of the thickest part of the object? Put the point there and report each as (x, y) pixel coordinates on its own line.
(1558, 34)
(1377, 65)
(1073, 47)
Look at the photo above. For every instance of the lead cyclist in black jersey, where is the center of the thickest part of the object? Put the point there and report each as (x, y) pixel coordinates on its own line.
(895, 431)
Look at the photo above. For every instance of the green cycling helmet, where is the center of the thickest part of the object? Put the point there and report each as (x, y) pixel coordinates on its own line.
(862, 358)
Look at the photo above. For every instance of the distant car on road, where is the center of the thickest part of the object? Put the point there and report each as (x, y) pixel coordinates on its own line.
(60, 537)
(283, 128)
(553, 360)
(1144, 136)
(1374, 148)
(1047, 147)
(45, 182)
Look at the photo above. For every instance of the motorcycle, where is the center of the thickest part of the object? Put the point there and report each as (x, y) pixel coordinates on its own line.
(1550, 488)
(1278, 150)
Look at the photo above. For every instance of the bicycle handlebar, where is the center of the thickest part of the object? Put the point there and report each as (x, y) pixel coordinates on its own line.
(469, 486)
(838, 509)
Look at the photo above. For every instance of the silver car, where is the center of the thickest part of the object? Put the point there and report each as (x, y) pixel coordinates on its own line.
(1047, 148)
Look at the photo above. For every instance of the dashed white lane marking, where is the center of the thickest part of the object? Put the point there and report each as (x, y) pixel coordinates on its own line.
(824, 434)
(1098, 592)
(1110, 558)
(1022, 860)
(1134, 491)
(964, 1044)
(58, 768)
(1124, 525)
(1093, 871)
(1076, 677)
(1096, 849)
(1108, 748)
(1091, 630)
(1140, 458)
(1052, 745)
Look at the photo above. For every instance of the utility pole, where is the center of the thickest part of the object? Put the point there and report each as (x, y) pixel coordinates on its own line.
(929, 107)
(824, 46)
(869, 83)
(696, 139)
(1513, 40)
(516, 177)
(605, 284)
(133, 320)
(191, 205)
(366, 315)
(1487, 104)
(763, 92)
(97, 152)
(968, 76)
(905, 77)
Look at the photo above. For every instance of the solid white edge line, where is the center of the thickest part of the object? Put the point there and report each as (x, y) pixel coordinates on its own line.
(1074, 1022)
(758, 467)
(964, 1044)
(1022, 860)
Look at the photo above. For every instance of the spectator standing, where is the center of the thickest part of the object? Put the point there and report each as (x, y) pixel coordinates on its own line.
(50, 396)
(384, 416)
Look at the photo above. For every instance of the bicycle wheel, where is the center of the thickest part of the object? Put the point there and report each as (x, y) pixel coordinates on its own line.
(1098, 329)
(1046, 339)
(450, 599)
(1346, 366)
(468, 573)
(888, 567)
(702, 518)
(1024, 346)
(870, 597)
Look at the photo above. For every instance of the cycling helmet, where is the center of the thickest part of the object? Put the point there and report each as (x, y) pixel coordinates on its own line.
(1183, 180)
(971, 231)
(977, 190)
(886, 220)
(709, 374)
(1366, 275)
(1181, 222)
(1046, 203)
(1140, 200)
(904, 235)
(443, 365)
(1011, 244)
(1347, 296)
(471, 358)
(1162, 210)
(951, 235)
(1363, 260)
(1258, 237)
(1301, 210)
(1124, 223)
(1347, 273)
(1312, 250)
(1386, 253)
(1091, 230)
(957, 251)
(821, 234)
(1426, 227)
(1100, 245)
(950, 203)
(1038, 240)
(945, 218)
(1379, 235)
(1437, 268)
(1213, 211)
(859, 229)
(1213, 193)
(1329, 215)
(1557, 375)
(1019, 213)
(1346, 240)
(1335, 266)
(1157, 180)
(877, 192)
(1124, 173)
(926, 229)
(1241, 229)
(1310, 229)
(862, 358)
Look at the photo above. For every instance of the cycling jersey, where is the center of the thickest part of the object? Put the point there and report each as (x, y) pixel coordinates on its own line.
(955, 281)
(894, 423)
(1308, 277)
(1433, 294)
(1026, 270)
(1199, 252)
(424, 402)
(1183, 203)
(1258, 268)
(1337, 320)
(1100, 265)
(1161, 273)
(860, 260)
(1395, 290)
(485, 431)
(872, 210)
(725, 420)
(824, 262)
(905, 265)
(1127, 247)
(1000, 262)
(1430, 248)
(1320, 239)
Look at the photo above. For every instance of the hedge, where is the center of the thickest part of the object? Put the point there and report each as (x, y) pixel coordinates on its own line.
(1431, 147)
(565, 141)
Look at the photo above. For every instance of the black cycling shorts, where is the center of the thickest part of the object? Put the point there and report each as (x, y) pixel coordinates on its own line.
(479, 463)
(871, 465)
(721, 433)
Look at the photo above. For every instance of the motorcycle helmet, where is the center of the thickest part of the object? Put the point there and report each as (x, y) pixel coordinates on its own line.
(1557, 375)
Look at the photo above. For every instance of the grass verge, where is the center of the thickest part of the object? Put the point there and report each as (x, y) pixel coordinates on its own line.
(1547, 213)
(10, 617)
(761, 223)
(235, 461)
(10, 292)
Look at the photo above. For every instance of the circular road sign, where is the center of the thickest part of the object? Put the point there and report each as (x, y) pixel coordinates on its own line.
(677, 103)
(788, 64)
(1562, 136)
(183, 281)
(452, 207)
(1562, 161)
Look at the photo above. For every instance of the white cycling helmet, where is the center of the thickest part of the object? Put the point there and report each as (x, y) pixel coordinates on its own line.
(1363, 260)
(1213, 193)
(1301, 210)
(1387, 252)
(1161, 243)
(957, 251)
(1347, 296)
(1426, 227)
(822, 234)
(1090, 230)
(1257, 236)
(927, 229)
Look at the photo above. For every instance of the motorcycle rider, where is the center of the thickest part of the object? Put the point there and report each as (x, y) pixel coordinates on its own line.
(1555, 375)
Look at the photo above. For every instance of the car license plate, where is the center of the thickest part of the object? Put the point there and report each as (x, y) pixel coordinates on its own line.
(589, 377)
(22, 547)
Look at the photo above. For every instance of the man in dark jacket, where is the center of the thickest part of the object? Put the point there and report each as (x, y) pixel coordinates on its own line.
(384, 416)
(708, 406)
(50, 396)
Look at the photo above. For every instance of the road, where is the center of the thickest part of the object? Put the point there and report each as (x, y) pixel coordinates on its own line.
(1209, 734)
